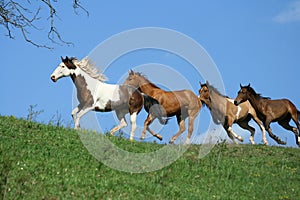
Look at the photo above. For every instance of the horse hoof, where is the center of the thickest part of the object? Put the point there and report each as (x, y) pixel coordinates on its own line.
(171, 142)
(112, 132)
(159, 137)
(240, 139)
(282, 142)
(142, 138)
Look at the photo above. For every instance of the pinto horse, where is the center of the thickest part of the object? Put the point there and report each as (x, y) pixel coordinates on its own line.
(182, 104)
(95, 95)
(280, 110)
(223, 111)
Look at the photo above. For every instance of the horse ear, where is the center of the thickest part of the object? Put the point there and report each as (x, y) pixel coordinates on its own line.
(62, 59)
(131, 72)
(241, 86)
(207, 83)
(248, 85)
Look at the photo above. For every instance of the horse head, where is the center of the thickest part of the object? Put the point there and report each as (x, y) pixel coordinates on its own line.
(204, 91)
(65, 68)
(133, 79)
(243, 94)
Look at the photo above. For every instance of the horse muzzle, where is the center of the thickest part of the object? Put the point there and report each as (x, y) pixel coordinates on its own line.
(236, 102)
(53, 78)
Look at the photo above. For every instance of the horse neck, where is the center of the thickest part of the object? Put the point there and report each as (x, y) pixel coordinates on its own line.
(256, 101)
(83, 81)
(218, 102)
(147, 87)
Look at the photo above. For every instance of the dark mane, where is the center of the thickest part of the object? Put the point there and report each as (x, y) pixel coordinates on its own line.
(212, 88)
(73, 58)
(252, 91)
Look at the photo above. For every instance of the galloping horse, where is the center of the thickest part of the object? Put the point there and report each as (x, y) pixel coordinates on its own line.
(279, 110)
(94, 94)
(223, 111)
(182, 104)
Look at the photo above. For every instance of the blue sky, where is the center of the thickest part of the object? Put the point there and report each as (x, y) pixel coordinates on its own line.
(253, 42)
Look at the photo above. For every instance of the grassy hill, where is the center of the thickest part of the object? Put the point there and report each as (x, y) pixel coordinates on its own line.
(45, 162)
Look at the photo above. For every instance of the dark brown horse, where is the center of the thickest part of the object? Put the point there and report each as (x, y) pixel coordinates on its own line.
(223, 111)
(280, 110)
(182, 104)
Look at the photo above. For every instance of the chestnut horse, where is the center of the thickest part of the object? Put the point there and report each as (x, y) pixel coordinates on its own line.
(223, 111)
(280, 110)
(182, 104)
(95, 95)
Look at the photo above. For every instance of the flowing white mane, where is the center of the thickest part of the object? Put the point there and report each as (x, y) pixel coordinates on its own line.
(89, 67)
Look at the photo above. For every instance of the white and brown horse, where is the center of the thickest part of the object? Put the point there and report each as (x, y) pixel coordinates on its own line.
(223, 111)
(182, 104)
(95, 95)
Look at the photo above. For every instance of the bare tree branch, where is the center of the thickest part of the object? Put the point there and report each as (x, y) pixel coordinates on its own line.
(16, 16)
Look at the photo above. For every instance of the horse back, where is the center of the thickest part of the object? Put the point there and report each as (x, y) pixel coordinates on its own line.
(173, 101)
(276, 109)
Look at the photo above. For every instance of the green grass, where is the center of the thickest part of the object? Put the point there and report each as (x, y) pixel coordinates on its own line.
(45, 162)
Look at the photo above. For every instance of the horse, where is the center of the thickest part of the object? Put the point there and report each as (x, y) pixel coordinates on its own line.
(223, 111)
(279, 110)
(182, 104)
(94, 94)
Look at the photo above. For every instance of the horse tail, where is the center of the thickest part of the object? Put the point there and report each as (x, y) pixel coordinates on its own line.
(298, 115)
(153, 107)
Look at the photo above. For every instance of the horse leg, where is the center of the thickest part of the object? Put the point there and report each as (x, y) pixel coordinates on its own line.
(297, 134)
(232, 133)
(244, 124)
(74, 112)
(225, 126)
(80, 114)
(262, 128)
(154, 134)
(133, 125)
(285, 124)
(181, 125)
(121, 117)
(228, 127)
(192, 115)
(148, 121)
(274, 137)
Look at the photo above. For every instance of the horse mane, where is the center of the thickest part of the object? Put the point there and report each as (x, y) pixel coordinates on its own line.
(89, 67)
(144, 76)
(212, 88)
(252, 91)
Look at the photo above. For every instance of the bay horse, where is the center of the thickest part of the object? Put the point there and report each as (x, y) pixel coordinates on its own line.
(182, 104)
(94, 94)
(223, 111)
(279, 110)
